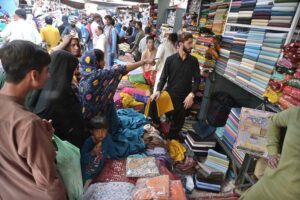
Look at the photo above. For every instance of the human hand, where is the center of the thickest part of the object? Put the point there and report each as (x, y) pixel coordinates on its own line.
(97, 150)
(188, 102)
(155, 96)
(273, 161)
(48, 125)
(150, 61)
(66, 39)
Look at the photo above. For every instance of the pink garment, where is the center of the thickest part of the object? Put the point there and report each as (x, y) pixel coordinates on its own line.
(133, 91)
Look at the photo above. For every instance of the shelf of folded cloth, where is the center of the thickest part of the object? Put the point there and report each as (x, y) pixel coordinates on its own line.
(282, 29)
(241, 86)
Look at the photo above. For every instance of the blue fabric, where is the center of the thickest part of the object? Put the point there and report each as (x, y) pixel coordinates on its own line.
(268, 62)
(282, 13)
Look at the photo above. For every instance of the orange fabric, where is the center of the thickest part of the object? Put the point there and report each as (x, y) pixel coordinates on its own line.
(177, 192)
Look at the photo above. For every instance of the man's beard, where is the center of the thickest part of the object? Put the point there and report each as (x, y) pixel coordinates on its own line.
(187, 51)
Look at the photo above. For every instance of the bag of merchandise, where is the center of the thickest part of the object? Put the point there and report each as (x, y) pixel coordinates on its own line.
(69, 168)
(141, 167)
(157, 188)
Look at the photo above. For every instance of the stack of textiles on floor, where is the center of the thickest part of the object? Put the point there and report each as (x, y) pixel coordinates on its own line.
(124, 47)
(284, 88)
(266, 62)
(217, 161)
(236, 54)
(205, 50)
(251, 52)
(283, 12)
(262, 13)
(199, 145)
(226, 46)
(203, 195)
(211, 173)
(132, 91)
(246, 11)
(234, 11)
(231, 132)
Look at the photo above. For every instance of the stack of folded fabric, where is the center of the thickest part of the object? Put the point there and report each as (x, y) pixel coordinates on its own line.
(231, 127)
(203, 17)
(219, 20)
(234, 11)
(199, 145)
(208, 178)
(236, 55)
(266, 61)
(262, 13)
(283, 12)
(217, 161)
(251, 52)
(246, 11)
(205, 50)
(226, 46)
(211, 16)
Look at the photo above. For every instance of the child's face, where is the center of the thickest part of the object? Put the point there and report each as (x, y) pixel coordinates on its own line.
(99, 134)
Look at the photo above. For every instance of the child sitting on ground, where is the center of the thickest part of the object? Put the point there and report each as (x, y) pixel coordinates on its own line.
(96, 148)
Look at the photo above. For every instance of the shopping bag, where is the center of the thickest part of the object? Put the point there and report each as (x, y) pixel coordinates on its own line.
(69, 168)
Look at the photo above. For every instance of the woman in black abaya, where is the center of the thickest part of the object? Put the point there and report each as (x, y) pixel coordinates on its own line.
(58, 102)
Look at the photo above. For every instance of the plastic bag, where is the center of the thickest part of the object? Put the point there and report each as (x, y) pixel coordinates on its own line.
(69, 168)
(157, 188)
(141, 167)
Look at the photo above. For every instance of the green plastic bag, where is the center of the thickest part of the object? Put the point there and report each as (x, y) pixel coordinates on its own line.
(69, 168)
(137, 78)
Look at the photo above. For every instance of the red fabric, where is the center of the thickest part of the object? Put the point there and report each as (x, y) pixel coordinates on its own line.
(150, 77)
(114, 171)
(293, 92)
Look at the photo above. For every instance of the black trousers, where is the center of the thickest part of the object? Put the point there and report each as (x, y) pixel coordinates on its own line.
(176, 117)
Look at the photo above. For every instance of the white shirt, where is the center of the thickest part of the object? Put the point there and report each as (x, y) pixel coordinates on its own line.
(143, 44)
(94, 27)
(101, 43)
(21, 30)
(164, 50)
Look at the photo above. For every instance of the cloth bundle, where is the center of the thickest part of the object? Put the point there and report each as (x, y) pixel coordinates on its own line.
(187, 166)
(291, 91)
(176, 150)
(152, 138)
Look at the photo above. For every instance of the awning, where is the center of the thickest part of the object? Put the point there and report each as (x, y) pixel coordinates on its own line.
(78, 4)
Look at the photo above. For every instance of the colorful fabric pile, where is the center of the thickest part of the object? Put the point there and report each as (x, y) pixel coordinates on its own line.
(234, 11)
(246, 11)
(205, 50)
(284, 88)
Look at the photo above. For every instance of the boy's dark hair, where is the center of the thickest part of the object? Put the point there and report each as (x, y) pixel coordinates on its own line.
(124, 28)
(49, 20)
(147, 30)
(19, 57)
(108, 17)
(98, 122)
(99, 54)
(100, 28)
(139, 24)
(185, 36)
(149, 38)
(173, 37)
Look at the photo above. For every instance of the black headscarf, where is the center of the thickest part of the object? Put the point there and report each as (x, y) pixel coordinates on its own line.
(58, 102)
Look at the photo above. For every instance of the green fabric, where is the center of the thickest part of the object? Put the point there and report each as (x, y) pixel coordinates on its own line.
(294, 83)
(284, 181)
(69, 168)
(2, 77)
(138, 78)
